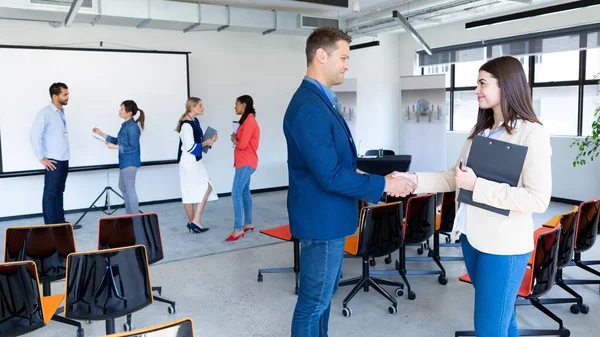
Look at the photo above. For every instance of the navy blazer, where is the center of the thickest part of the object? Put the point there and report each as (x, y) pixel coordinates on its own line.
(324, 187)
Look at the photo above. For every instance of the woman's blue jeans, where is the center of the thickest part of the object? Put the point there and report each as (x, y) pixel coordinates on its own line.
(240, 194)
(496, 279)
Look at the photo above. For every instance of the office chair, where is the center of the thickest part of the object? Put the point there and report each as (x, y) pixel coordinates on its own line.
(538, 280)
(22, 308)
(419, 226)
(380, 153)
(180, 328)
(48, 247)
(283, 233)
(131, 229)
(107, 284)
(380, 232)
(585, 237)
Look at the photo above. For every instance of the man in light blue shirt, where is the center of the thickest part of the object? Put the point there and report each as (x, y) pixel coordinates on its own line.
(50, 142)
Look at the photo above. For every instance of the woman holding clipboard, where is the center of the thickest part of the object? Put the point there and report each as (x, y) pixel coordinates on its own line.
(496, 247)
(128, 144)
(245, 162)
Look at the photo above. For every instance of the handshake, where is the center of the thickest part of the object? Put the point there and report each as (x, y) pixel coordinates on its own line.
(400, 184)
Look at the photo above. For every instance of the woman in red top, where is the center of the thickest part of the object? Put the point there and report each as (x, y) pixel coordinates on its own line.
(245, 162)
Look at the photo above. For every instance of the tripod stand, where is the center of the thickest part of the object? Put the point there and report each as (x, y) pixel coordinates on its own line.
(107, 207)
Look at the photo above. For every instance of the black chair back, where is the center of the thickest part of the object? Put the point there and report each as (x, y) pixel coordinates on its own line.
(381, 229)
(46, 245)
(566, 247)
(180, 328)
(587, 225)
(545, 262)
(106, 284)
(20, 299)
(447, 212)
(132, 229)
(420, 218)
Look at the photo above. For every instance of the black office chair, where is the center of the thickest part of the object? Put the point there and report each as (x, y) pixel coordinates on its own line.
(379, 153)
(22, 308)
(180, 328)
(48, 247)
(131, 229)
(107, 284)
(380, 232)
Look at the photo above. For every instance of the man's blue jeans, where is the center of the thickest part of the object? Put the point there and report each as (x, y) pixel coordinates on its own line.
(240, 194)
(320, 268)
(496, 279)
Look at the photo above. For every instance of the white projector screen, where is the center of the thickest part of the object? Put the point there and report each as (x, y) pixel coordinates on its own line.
(99, 81)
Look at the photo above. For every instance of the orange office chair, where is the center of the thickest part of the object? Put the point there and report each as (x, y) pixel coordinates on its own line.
(538, 280)
(283, 233)
(48, 247)
(380, 232)
(180, 328)
(132, 229)
(22, 307)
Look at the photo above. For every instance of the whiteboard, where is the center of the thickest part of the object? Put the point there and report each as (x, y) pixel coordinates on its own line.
(98, 81)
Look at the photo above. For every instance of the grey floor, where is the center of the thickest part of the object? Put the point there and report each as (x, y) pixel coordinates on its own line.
(219, 291)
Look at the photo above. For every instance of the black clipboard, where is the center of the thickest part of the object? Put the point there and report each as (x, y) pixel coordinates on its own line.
(497, 161)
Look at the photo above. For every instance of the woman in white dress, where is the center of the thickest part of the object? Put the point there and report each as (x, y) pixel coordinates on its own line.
(196, 188)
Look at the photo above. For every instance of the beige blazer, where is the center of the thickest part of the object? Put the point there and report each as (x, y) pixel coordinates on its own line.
(490, 232)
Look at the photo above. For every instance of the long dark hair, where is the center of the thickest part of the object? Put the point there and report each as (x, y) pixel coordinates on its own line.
(515, 98)
(131, 106)
(249, 107)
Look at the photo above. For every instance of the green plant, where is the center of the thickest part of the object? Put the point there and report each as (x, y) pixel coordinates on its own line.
(589, 147)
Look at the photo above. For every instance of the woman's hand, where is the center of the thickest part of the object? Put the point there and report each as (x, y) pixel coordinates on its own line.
(233, 138)
(465, 178)
(99, 132)
(215, 137)
(112, 146)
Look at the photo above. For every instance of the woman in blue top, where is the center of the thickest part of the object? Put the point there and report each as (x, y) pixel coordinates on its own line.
(128, 144)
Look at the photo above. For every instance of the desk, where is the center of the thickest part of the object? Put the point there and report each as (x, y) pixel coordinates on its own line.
(384, 165)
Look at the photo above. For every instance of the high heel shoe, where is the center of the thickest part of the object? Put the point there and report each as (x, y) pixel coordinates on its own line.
(249, 228)
(193, 228)
(234, 238)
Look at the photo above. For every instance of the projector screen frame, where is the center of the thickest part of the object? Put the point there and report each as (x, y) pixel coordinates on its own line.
(94, 167)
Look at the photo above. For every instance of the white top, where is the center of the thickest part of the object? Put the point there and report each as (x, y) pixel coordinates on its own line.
(460, 220)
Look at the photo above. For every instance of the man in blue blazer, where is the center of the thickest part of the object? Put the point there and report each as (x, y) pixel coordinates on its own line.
(324, 182)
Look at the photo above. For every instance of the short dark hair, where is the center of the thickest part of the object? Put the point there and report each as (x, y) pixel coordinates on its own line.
(56, 88)
(326, 38)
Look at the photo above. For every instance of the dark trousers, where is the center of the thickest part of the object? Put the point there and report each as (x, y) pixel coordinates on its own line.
(54, 187)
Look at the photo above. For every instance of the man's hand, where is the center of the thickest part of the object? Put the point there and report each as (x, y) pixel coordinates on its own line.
(397, 186)
(360, 172)
(48, 164)
(465, 178)
(411, 176)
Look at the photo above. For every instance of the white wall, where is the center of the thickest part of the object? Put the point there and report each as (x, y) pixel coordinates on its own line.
(223, 66)
(572, 183)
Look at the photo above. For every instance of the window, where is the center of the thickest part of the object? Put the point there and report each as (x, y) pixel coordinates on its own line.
(591, 101)
(447, 110)
(466, 73)
(556, 107)
(438, 69)
(592, 66)
(554, 67)
(466, 108)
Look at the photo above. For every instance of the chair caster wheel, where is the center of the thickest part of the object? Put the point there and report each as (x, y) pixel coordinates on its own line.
(372, 263)
(442, 280)
(584, 308)
(126, 327)
(346, 312)
(448, 240)
(387, 260)
(172, 310)
(88, 322)
(565, 333)
(399, 292)
(392, 310)
(420, 251)
(296, 291)
(259, 277)
(412, 295)
(80, 332)
(575, 309)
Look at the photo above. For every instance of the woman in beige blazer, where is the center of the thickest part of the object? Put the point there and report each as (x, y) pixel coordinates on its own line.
(496, 248)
